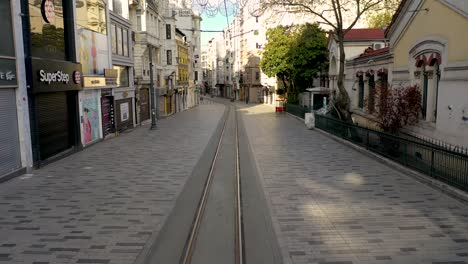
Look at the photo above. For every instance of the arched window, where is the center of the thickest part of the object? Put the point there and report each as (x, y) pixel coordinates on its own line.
(361, 91)
(371, 84)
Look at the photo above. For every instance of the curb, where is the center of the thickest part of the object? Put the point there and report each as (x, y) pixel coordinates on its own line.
(434, 183)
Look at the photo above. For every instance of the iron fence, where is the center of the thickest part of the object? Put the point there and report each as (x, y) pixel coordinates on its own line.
(436, 161)
(297, 110)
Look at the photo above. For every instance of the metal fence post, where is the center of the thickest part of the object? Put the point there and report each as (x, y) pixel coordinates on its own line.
(432, 163)
(367, 139)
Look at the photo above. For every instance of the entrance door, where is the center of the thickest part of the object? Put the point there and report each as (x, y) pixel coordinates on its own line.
(10, 158)
(53, 124)
(144, 105)
(108, 121)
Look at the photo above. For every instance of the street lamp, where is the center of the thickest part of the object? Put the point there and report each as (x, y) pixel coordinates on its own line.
(153, 93)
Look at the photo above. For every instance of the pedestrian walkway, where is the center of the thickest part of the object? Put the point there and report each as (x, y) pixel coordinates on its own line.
(102, 205)
(332, 204)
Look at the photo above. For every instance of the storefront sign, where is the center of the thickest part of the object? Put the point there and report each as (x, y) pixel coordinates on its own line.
(185, 12)
(111, 81)
(106, 92)
(89, 82)
(55, 76)
(111, 73)
(7, 72)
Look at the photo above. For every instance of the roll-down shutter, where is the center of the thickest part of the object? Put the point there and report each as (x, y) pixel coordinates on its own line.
(10, 158)
(52, 115)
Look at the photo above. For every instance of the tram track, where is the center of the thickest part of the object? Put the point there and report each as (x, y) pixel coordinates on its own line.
(221, 215)
(190, 246)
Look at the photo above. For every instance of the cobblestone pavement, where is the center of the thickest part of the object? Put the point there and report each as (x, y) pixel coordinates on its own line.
(333, 205)
(102, 204)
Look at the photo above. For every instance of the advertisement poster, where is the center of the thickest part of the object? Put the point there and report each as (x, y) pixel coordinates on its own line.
(89, 118)
(124, 113)
(92, 49)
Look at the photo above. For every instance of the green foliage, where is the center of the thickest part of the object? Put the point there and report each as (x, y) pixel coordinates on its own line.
(383, 14)
(308, 54)
(273, 62)
(296, 55)
(280, 91)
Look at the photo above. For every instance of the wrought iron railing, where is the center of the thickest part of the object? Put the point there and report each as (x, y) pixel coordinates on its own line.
(436, 161)
(297, 110)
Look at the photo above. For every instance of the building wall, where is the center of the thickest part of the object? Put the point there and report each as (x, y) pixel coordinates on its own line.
(453, 29)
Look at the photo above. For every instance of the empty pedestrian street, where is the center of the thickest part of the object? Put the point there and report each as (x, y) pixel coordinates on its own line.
(311, 199)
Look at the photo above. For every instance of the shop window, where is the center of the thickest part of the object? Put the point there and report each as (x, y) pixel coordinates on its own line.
(47, 31)
(122, 76)
(91, 14)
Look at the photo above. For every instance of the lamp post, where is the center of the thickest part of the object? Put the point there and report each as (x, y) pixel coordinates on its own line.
(153, 93)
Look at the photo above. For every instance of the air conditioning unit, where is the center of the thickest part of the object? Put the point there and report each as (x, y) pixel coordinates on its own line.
(377, 46)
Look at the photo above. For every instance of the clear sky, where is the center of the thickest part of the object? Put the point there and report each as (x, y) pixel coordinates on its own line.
(214, 23)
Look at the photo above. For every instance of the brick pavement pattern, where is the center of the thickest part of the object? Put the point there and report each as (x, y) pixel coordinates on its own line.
(102, 204)
(333, 205)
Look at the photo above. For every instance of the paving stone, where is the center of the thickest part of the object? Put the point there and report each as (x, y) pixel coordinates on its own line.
(101, 205)
(377, 214)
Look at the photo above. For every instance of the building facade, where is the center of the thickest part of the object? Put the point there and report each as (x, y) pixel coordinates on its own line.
(15, 138)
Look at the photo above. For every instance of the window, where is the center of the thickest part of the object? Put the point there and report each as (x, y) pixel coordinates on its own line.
(256, 19)
(196, 76)
(138, 22)
(424, 93)
(47, 39)
(361, 91)
(371, 83)
(119, 38)
(168, 31)
(125, 42)
(257, 76)
(122, 76)
(437, 80)
(169, 57)
(113, 39)
(91, 14)
(119, 41)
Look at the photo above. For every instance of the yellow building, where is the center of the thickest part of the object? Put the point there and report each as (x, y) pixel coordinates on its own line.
(428, 40)
(183, 64)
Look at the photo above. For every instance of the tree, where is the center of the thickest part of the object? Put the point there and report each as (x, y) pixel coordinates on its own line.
(273, 62)
(294, 54)
(308, 54)
(341, 16)
(382, 17)
(395, 107)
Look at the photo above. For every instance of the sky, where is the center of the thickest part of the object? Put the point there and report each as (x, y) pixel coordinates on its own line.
(214, 23)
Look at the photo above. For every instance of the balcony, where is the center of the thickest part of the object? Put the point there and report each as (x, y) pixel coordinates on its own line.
(144, 38)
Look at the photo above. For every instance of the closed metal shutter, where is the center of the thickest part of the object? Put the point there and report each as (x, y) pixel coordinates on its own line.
(144, 104)
(53, 123)
(10, 158)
